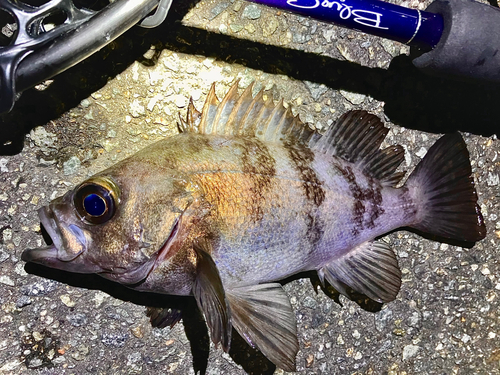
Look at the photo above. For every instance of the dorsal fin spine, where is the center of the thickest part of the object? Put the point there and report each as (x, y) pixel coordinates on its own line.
(235, 119)
(211, 101)
(262, 119)
(224, 109)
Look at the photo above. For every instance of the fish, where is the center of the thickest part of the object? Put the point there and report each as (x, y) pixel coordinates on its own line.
(247, 195)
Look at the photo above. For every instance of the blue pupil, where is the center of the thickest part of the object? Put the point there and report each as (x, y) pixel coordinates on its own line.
(94, 205)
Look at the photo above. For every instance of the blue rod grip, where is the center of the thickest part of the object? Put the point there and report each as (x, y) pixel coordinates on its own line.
(410, 26)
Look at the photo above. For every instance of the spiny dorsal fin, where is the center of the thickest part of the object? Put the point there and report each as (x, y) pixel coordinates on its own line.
(208, 112)
(356, 137)
(192, 120)
(247, 116)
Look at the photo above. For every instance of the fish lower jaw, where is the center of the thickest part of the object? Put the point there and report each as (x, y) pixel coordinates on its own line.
(41, 255)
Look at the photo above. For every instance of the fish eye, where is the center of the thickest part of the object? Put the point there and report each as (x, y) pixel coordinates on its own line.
(95, 205)
(96, 200)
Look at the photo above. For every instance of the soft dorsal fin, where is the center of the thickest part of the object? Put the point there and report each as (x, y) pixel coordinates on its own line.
(356, 137)
(242, 115)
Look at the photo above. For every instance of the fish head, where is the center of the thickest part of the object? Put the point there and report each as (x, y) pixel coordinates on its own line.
(116, 225)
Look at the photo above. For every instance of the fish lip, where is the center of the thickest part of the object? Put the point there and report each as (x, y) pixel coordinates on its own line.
(47, 254)
(39, 255)
(48, 220)
(51, 254)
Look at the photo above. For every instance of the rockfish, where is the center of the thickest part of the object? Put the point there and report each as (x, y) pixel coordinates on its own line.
(247, 195)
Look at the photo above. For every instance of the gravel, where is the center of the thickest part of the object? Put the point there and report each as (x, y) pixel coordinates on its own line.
(445, 319)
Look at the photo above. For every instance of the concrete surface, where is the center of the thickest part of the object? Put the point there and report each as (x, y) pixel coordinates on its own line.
(445, 319)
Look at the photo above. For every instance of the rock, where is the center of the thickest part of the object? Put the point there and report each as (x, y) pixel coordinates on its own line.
(382, 319)
(3, 165)
(252, 12)
(410, 351)
(316, 89)
(43, 139)
(77, 319)
(310, 302)
(354, 98)
(40, 288)
(6, 280)
(71, 166)
(136, 109)
(23, 301)
(114, 339)
(218, 9)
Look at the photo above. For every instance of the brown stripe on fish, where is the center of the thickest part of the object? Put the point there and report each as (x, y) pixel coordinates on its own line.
(409, 207)
(302, 158)
(315, 230)
(359, 207)
(260, 166)
(372, 195)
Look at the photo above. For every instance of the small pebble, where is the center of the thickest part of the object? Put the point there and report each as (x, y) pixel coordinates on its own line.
(252, 12)
(71, 166)
(410, 351)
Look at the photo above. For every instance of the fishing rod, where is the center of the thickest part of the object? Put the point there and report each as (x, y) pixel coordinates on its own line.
(409, 26)
(452, 38)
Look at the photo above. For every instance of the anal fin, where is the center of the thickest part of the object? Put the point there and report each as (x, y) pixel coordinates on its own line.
(263, 316)
(210, 296)
(371, 268)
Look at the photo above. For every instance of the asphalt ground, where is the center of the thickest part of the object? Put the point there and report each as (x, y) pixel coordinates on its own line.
(445, 319)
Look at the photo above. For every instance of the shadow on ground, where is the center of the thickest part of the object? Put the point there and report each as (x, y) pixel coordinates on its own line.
(252, 360)
(413, 100)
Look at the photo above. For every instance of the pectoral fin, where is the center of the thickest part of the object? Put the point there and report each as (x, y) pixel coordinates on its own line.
(371, 269)
(209, 294)
(263, 316)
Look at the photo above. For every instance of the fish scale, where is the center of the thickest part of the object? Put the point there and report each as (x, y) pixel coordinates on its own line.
(285, 196)
(248, 195)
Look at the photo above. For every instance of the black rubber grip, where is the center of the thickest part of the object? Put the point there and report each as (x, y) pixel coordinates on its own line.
(469, 47)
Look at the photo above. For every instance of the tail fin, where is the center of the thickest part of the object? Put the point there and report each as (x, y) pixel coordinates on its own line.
(445, 189)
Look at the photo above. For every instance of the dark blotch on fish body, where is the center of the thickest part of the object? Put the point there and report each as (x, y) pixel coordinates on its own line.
(259, 164)
(302, 158)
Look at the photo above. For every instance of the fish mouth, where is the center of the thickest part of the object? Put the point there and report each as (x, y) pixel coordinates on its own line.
(44, 254)
(55, 255)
